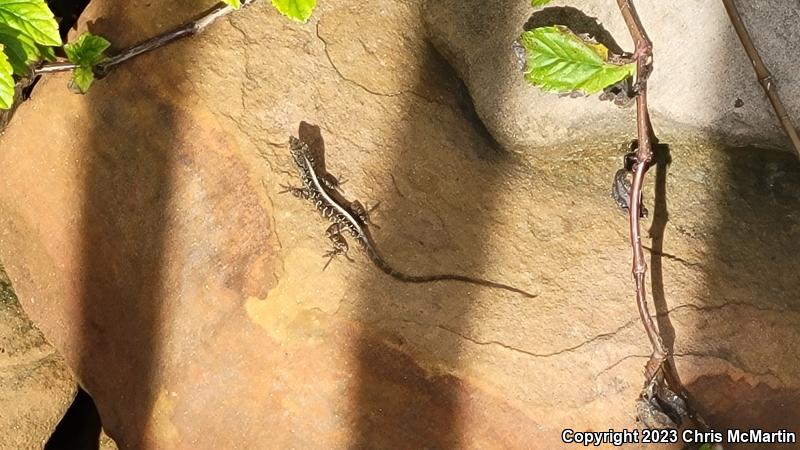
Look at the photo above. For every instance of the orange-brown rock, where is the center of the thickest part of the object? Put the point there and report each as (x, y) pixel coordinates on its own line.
(36, 386)
(145, 233)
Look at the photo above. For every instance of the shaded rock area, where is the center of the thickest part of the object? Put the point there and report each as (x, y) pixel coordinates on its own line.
(80, 428)
(36, 386)
(703, 79)
(146, 235)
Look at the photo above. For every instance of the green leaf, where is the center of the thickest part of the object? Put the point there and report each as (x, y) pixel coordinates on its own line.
(32, 18)
(6, 80)
(299, 10)
(705, 447)
(538, 3)
(235, 4)
(20, 49)
(560, 61)
(87, 50)
(82, 79)
(46, 53)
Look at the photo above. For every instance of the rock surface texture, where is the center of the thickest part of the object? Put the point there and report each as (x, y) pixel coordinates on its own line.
(703, 78)
(36, 385)
(145, 232)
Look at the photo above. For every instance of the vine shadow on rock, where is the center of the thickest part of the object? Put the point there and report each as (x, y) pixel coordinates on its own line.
(398, 403)
(758, 289)
(750, 297)
(662, 158)
(128, 167)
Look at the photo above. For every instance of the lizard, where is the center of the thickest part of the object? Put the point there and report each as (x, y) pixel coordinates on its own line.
(352, 218)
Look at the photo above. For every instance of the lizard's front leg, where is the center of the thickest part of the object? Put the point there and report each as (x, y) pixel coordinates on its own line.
(340, 246)
(303, 192)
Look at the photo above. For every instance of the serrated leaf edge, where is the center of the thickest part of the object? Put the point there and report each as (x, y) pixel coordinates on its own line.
(600, 50)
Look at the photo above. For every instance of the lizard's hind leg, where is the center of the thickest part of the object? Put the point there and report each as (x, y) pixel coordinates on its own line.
(340, 247)
(363, 212)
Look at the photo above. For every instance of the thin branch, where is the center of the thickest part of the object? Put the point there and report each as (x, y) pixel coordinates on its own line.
(54, 67)
(644, 155)
(763, 74)
(658, 406)
(188, 29)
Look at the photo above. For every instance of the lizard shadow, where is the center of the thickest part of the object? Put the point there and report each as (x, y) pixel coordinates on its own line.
(311, 135)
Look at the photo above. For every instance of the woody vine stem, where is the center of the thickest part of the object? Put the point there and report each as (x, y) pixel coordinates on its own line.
(188, 29)
(643, 55)
(763, 74)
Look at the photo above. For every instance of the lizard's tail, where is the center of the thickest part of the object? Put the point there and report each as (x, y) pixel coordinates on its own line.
(392, 272)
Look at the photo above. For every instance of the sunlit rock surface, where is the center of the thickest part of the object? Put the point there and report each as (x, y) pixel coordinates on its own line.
(145, 233)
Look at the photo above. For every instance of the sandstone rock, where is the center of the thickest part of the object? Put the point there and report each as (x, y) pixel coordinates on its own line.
(144, 231)
(36, 386)
(7, 114)
(703, 80)
(106, 443)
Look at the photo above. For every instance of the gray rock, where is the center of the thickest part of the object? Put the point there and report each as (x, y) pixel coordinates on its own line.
(702, 79)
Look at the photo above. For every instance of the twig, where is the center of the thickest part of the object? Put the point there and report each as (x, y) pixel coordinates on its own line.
(54, 67)
(644, 155)
(763, 74)
(188, 29)
(658, 406)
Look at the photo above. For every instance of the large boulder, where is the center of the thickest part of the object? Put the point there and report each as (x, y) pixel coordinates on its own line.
(146, 234)
(36, 385)
(703, 80)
